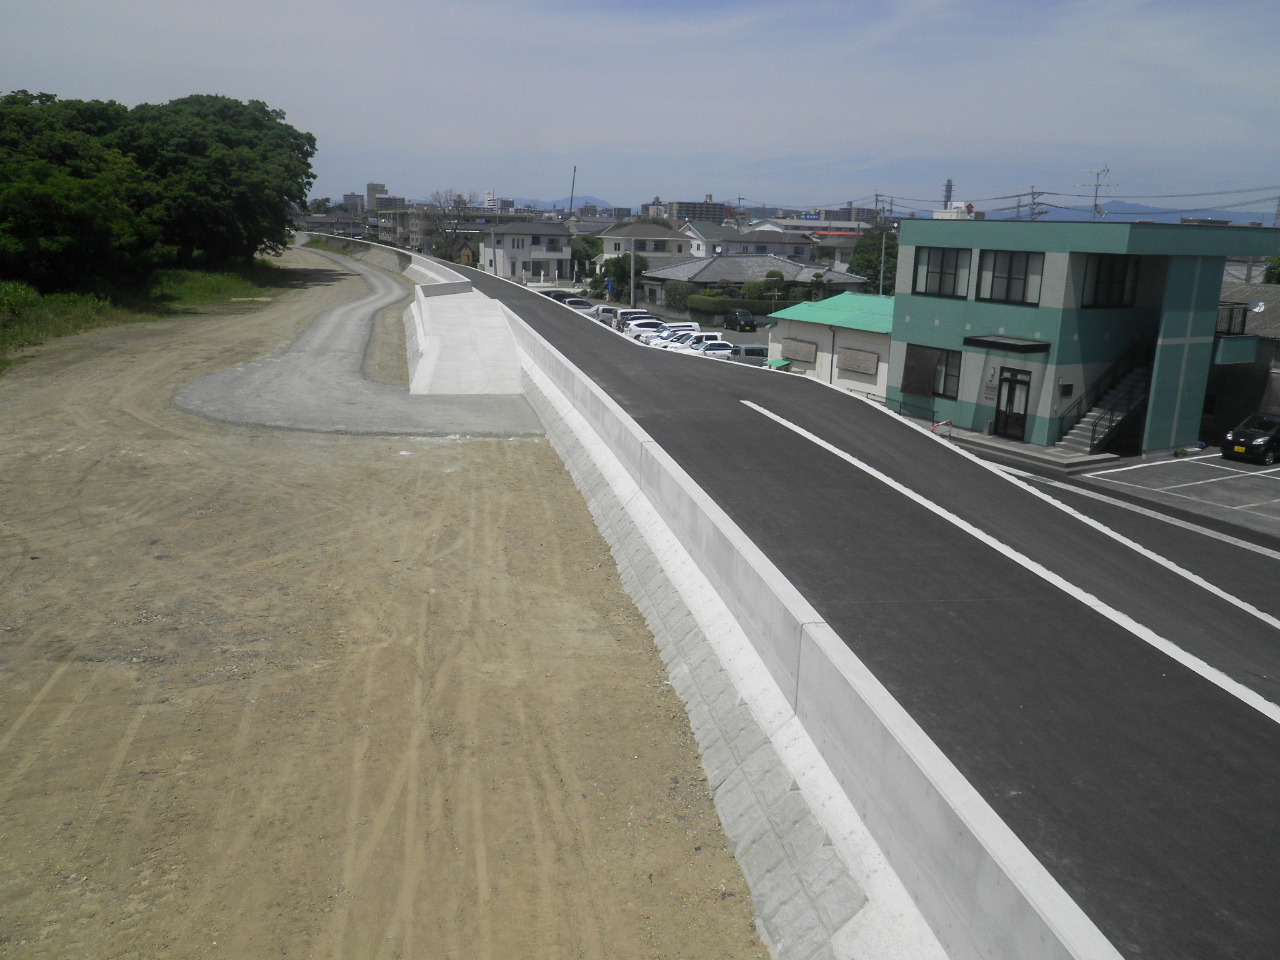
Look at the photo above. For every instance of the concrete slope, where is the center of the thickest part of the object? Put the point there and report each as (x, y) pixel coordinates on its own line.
(316, 384)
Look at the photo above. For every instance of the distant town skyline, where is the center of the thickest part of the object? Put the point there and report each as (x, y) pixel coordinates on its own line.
(802, 105)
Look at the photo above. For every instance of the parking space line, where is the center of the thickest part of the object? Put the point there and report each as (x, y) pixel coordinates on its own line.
(1161, 463)
(1153, 514)
(1142, 632)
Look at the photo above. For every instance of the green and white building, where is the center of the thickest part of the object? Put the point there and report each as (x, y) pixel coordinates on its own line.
(1028, 329)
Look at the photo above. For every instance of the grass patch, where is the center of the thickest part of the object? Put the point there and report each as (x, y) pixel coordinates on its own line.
(28, 319)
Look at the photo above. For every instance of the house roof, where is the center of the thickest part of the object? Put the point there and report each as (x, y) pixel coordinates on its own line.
(742, 268)
(643, 231)
(1266, 321)
(853, 311)
(708, 230)
(542, 228)
(772, 236)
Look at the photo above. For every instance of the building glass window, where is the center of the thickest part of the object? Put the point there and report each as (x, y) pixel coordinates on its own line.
(1110, 280)
(1010, 276)
(659, 246)
(941, 272)
(931, 372)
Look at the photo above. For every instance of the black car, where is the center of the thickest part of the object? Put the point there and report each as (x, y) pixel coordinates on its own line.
(560, 296)
(1258, 438)
(739, 319)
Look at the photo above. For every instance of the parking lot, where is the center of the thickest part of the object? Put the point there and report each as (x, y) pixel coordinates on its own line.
(1206, 483)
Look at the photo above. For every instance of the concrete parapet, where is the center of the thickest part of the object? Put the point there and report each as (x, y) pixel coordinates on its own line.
(815, 707)
(835, 801)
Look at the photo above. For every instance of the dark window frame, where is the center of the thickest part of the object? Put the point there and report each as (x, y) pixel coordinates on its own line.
(1010, 276)
(942, 272)
(1110, 280)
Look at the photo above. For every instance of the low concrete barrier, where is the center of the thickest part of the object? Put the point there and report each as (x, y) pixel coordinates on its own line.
(836, 802)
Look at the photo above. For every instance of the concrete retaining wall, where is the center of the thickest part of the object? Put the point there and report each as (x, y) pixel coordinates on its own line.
(836, 802)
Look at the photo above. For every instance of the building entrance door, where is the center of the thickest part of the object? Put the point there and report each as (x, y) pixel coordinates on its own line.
(1011, 403)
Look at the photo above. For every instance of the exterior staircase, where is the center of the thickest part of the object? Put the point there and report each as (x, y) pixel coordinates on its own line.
(1093, 429)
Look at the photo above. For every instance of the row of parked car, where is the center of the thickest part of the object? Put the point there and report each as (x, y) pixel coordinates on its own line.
(682, 336)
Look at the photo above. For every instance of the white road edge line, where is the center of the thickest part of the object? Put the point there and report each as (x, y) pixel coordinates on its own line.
(1123, 620)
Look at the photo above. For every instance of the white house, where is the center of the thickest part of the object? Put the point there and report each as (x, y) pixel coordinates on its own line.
(528, 252)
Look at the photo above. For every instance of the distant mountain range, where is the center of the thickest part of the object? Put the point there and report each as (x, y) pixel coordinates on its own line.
(563, 203)
(1115, 210)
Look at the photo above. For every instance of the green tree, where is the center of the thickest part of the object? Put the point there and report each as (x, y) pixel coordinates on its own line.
(866, 259)
(1272, 273)
(73, 210)
(615, 273)
(225, 174)
(586, 247)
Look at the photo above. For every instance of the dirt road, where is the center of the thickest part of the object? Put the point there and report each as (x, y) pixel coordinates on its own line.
(267, 693)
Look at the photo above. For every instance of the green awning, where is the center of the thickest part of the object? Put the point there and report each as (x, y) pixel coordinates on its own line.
(780, 363)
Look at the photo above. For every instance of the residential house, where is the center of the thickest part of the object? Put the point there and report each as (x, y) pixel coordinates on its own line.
(1249, 312)
(1024, 329)
(842, 340)
(527, 252)
(734, 271)
(777, 243)
(658, 245)
(707, 239)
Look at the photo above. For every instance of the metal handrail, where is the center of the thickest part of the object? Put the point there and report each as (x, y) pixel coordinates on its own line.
(1115, 411)
(1098, 389)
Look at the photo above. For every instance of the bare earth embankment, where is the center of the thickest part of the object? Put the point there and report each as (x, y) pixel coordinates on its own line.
(268, 694)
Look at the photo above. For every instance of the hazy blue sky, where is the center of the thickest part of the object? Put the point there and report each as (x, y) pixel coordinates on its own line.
(803, 103)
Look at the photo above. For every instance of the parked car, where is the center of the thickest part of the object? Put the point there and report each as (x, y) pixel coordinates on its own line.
(641, 325)
(679, 326)
(688, 342)
(623, 315)
(719, 349)
(754, 354)
(604, 313)
(577, 303)
(738, 319)
(1258, 438)
(558, 295)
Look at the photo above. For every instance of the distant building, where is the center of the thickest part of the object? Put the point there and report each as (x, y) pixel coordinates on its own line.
(354, 202)
(1026, 329)
(371, 193)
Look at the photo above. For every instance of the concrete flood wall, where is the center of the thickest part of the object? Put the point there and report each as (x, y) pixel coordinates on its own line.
(856, 835)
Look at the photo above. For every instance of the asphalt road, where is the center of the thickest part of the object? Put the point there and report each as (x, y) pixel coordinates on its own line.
(1111, 696)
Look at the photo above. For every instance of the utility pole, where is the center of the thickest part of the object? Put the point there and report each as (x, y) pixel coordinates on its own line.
(1097, 185)
(573, 186)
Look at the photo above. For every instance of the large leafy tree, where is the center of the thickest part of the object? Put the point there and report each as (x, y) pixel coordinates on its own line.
(226, 174)
(92, 192)
(867, 261)
(73, 210)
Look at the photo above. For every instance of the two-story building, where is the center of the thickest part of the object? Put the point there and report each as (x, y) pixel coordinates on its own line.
(1026, 329)
(657, 244)
(528, 252)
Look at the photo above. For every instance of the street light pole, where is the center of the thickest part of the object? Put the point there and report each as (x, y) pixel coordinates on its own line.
(633, 271)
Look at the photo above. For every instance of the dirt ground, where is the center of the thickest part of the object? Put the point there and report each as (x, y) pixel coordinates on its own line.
(274, 694)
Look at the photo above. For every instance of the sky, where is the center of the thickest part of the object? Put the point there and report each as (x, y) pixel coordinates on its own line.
(808, 103)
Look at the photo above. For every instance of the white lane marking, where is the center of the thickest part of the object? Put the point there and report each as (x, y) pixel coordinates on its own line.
(1162, 463)
(1123, 620)
(1153, 514)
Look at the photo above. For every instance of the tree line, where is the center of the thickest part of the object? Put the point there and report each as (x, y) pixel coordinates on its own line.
(94, 194)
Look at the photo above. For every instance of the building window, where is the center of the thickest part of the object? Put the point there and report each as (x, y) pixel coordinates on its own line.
(617, 246)
(941, 272)
(659, 246)
(1110, 280)
(1010, 276)
(931, 372)
(639, 246)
